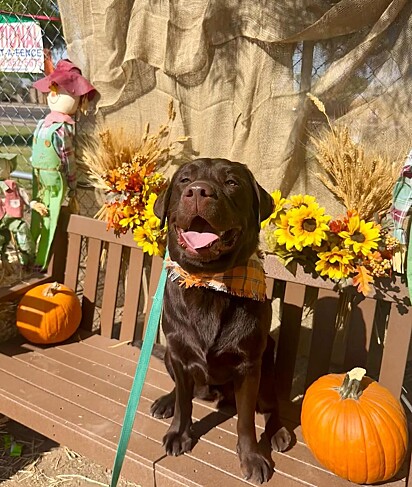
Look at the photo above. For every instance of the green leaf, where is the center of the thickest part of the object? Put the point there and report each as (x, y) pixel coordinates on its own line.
(16, 449)
(7, 442)
(13, 448)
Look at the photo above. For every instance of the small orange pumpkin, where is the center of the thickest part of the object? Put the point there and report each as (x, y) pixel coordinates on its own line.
(355, 427)
(49, 313)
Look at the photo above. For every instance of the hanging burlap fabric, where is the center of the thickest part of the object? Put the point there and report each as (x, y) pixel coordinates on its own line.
(236, 71)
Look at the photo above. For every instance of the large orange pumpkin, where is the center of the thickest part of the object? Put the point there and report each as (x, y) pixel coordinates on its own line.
(49, 313)
(355, 427)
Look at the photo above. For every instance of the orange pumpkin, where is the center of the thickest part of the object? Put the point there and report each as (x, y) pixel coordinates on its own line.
(49, 313)
(355, 427)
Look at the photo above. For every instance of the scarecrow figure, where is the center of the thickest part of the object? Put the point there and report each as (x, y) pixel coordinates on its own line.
(402, 202)
(53, 160)
(12, 226)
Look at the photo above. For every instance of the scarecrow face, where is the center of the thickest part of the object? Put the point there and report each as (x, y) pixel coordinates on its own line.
(59, 100)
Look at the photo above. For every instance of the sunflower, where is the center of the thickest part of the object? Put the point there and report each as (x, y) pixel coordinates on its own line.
(284, 236)
(278, 204)
(335, 264)
(149, 214)
(361, 236)
(300, 199)
(149, 240)
(130, 218)
(309, 224)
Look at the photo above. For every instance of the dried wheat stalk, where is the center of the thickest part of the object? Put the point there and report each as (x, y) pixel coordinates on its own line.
(359, 177)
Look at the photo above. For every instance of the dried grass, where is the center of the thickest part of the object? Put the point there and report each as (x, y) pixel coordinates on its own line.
(359, 176)
(54, 468)
(22, 467)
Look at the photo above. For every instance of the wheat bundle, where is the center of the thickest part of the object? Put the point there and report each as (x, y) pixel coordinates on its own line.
(359, 176)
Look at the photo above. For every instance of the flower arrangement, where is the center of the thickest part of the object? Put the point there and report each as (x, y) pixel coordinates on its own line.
(347, 250)
(134, 188)
(131, 176)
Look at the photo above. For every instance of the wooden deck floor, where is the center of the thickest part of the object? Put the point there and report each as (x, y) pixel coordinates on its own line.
(76, 393)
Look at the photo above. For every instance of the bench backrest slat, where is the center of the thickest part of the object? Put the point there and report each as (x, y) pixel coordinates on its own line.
(131, 299)
(155, 271)
(111, 282)
(91, 279)
(270, 284)
(288, 340)
(323, 335)
(73, 260)
(89, 227)
(359, 333)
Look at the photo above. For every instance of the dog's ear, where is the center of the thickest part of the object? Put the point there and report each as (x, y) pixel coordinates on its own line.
(264, 203)
(161, 205)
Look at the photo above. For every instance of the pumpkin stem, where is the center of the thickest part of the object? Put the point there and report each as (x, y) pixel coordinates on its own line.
(51, 289)
(351, 386)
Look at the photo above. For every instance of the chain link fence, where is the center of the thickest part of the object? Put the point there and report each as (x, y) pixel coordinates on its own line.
(21, 105)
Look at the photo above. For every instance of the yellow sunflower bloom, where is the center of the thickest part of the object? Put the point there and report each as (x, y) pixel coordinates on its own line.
(361, 236)
(148, 213)
(148, 240)
(309, 224)
(151, 200)
(284, 236)
(130, 222)
(278, 204)
(300, 199)
(335, 264)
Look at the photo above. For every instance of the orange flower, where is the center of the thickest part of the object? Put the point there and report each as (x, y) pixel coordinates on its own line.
(121, 185)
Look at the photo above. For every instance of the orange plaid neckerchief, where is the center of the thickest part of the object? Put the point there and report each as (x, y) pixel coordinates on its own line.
(246, 281)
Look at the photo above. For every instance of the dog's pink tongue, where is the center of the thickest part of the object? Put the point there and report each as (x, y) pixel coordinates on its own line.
(197, 240)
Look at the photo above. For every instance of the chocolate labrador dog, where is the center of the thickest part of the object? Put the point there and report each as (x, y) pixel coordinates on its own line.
(218, 342)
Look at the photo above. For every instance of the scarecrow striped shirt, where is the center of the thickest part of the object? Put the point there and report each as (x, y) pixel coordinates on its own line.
(63, 143)
(402, 199)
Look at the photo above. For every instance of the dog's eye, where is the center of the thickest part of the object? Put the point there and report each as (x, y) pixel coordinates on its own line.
(185, 180)
(231, 182)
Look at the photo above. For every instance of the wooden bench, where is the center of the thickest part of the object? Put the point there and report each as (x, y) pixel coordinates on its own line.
(75, 393)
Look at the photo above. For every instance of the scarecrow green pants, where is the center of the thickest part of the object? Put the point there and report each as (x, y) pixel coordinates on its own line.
(43, 228)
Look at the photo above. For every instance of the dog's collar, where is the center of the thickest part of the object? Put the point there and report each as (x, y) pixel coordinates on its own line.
(246, 281)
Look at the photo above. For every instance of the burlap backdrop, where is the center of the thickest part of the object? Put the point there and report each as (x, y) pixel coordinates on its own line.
(236, 71)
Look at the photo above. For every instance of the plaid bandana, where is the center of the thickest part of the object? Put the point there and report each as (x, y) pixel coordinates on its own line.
(247, 281)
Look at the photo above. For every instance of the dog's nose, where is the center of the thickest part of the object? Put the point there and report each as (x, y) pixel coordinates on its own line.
(199, 189)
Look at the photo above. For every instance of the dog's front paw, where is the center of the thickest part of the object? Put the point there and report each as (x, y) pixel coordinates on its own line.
(280, 440)
(256, 467)
(164, 407)
(176, 443)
